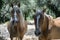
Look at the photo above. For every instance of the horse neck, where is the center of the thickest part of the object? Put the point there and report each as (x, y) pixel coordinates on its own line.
(45, 23)
(21, 19)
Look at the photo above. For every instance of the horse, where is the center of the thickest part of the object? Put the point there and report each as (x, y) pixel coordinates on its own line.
(55, 30)
(17, 26)
(42, 21)
(57, 22)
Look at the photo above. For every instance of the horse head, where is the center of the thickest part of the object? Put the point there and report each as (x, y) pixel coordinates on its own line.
(15, 13)
(38, 19)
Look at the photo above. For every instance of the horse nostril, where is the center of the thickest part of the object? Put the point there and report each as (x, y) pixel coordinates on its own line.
(16, 21)
(37, 33)
(13, 22)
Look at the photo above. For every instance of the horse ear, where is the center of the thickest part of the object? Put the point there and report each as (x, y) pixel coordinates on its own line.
(18, 4)
(44, 10)
(11, 4)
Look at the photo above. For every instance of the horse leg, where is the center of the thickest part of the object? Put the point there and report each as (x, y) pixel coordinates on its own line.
(16, 38)
(20, 38)
(11, 38)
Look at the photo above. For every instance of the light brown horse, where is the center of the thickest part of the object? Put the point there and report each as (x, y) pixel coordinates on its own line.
(57, 22)
(41, 25)
(55, 30)
(17, 26)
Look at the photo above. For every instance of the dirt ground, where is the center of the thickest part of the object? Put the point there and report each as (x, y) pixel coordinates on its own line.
(4, 34)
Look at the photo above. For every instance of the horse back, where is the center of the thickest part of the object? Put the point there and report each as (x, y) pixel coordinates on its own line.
(57, 22)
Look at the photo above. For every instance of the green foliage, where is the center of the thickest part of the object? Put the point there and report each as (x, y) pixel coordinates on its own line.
(1, 4)
(27, 7)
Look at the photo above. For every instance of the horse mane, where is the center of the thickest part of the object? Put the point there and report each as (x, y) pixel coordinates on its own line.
(22, 19)
(50, 18)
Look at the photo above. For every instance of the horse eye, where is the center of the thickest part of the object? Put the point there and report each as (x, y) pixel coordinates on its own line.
(18, 11)
(12, 11)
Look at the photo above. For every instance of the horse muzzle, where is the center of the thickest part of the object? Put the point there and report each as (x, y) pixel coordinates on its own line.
(37, 32)
(14, 22)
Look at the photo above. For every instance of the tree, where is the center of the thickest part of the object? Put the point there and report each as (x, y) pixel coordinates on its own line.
(1, 4)
(54, 8)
